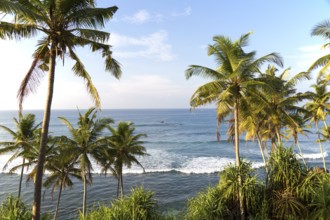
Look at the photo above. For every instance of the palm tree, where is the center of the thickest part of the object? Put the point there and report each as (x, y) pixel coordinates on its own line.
(65, 25)
(322, 29)
(85, 142)
(22, 141)
(318, 107)
(61, 166)
(125, 146)
(231, 82)
(280, 102)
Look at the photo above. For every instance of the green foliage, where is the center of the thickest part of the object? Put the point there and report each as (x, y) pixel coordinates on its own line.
(140, 205)
(285, 170)
(222, 201)
(207, 205)
(285, 178)
(251, 189)
(14, 208)
(320, 205)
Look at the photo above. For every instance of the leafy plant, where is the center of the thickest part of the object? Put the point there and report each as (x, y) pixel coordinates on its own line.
(140, 205)
(207, 205)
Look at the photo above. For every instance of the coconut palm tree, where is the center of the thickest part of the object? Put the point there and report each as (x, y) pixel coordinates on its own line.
(61, 166)
(85, 142)
(322, 29)
(231, 82)
(23, 138)
(318, 108)
(63, 25)
(280, 102)
(125, 146)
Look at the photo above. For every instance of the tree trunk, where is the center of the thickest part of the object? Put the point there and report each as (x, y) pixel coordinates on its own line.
(302, 156)
(85, 195)
(20, 180)
(262, 152)
(121, 184)
(118, 184)
(240, 193)
(58, 199)
(278, 135)
(321, 148)
(44, 135)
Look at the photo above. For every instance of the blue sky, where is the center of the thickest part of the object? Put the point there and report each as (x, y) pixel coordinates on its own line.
(155, 41)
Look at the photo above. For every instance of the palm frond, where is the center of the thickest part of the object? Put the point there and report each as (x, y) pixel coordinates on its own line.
(79, 70)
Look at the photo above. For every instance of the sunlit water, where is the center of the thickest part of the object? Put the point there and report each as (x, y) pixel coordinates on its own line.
(185, 158)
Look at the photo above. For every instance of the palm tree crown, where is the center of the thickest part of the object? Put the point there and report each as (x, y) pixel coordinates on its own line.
(85, 142)
(23, 139)
(124, 146)
(63, 25)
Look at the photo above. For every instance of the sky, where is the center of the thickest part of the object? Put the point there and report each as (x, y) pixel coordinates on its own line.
(156, 40)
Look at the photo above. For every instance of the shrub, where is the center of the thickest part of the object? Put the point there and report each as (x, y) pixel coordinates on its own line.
(14, 208)
(140, 205)
(207, 205)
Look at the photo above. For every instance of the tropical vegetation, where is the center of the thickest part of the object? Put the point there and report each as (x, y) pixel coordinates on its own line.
(250, 93)
(62, 27)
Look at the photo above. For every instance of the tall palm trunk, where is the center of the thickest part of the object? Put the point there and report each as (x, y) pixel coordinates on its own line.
(85, 194)
(240, 193)
(121, 185)
(321, 147)
(44, 135)
(118, 186)
(21, 179)
(58, 199)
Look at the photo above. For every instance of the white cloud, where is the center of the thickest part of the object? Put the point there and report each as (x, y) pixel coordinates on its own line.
(185, 12)
(307, 55)
(139, 17)
(143, 16)
(145, 91)
(152, 46)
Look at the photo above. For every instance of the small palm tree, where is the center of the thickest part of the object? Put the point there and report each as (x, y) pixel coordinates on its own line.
(125, 146)
(85, 142)
(323, 30)
(23, 138)
(318, 107)
(62, 165)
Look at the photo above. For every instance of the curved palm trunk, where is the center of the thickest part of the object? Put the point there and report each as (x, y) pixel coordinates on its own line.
(321, 147)
(240, 193)
(300, 151)
(278, 135)
(85, 194)
(21, 179)
(262, 152)
(44, 136)
(58, 199)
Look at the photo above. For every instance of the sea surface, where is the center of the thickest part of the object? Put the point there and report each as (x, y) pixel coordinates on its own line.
(185, 158)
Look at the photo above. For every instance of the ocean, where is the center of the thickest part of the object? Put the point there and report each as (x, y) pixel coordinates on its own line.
(185, 158)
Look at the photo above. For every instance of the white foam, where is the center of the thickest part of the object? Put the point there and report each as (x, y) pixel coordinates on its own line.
(312, 156)
(205, 165)
(165, 161)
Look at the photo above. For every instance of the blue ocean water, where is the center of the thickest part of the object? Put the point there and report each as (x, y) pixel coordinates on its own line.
(185, 157)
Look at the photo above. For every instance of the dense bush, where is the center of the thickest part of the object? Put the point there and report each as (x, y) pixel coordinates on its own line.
(14, 208)
(140, 205)
(291, 191)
